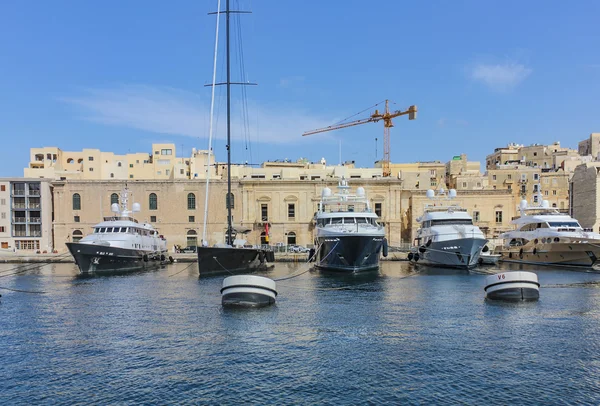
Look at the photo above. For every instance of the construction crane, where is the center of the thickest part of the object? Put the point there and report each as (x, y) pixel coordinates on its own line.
(387, 117)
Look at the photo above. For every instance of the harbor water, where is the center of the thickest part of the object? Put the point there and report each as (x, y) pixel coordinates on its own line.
(398, 336)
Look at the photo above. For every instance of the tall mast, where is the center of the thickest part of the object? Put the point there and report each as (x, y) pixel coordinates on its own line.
(228, 199)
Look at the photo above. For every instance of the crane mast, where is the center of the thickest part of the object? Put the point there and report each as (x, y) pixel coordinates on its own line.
(387, 117)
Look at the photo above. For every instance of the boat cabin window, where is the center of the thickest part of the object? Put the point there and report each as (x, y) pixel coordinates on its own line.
(564, 224)
(348, 220)
(444, 222)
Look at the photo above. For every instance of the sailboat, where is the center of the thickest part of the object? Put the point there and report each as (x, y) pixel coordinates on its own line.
(232, 256)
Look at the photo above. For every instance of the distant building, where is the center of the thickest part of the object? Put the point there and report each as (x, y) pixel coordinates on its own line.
(26, 215)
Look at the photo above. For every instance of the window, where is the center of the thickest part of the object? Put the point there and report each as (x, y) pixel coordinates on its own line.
(498, 216)
(264, 212)
(153, 219)
(76, 201)
(291, 238)
(230, 199)
(114, 198)
(90, 158)
(291, 210)
(475, 216)
(153, 201)
(191, 201)
(77, 235)
(191, 219)
(76, 219)
(378, 209)
(192, 238)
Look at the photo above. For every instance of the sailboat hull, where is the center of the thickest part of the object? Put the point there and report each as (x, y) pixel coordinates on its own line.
(219, 260)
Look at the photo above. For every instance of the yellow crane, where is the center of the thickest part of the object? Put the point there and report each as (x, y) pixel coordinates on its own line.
(387, 117)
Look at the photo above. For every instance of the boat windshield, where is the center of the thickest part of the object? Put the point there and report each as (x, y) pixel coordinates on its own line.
(448, 222)
(564, 224)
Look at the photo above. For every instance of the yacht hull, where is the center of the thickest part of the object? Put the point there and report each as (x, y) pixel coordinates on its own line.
(460, 253)
(348, 253)
(579, 255)
(218, 260)
(95, 258)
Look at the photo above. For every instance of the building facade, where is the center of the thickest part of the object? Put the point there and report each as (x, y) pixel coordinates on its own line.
(26, 215)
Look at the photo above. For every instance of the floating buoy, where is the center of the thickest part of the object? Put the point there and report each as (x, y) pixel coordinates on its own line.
(512, 286)
(248, 291)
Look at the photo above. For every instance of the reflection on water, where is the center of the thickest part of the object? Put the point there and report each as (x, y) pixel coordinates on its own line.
(402, 334)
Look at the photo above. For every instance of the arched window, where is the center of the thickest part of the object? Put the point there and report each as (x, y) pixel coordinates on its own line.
(153, 201)
(77, 235)
(114, 198)
(192, 238)
(291, 238)
(76, 201)
(230, 199)
(191, 201)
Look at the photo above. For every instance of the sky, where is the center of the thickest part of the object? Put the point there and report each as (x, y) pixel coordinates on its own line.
(118, 76)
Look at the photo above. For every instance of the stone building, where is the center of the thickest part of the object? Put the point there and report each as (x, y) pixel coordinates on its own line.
(585, 195)
(26, 215)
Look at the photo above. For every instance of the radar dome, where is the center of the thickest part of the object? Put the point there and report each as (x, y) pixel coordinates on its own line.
(114, 208)
(523, 204)
(326, 192)
(545, 204)
(452, 193)
(430, 194)
(360, 191)
(136, 207)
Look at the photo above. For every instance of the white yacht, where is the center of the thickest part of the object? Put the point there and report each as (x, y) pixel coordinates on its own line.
(544, 236)
(447, 236)
(348, 236)
(119, 243)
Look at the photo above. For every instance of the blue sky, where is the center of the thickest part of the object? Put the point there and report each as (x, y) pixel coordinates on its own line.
(120, 75)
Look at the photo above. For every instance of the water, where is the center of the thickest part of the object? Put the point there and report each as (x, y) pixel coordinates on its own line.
(162, 337)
